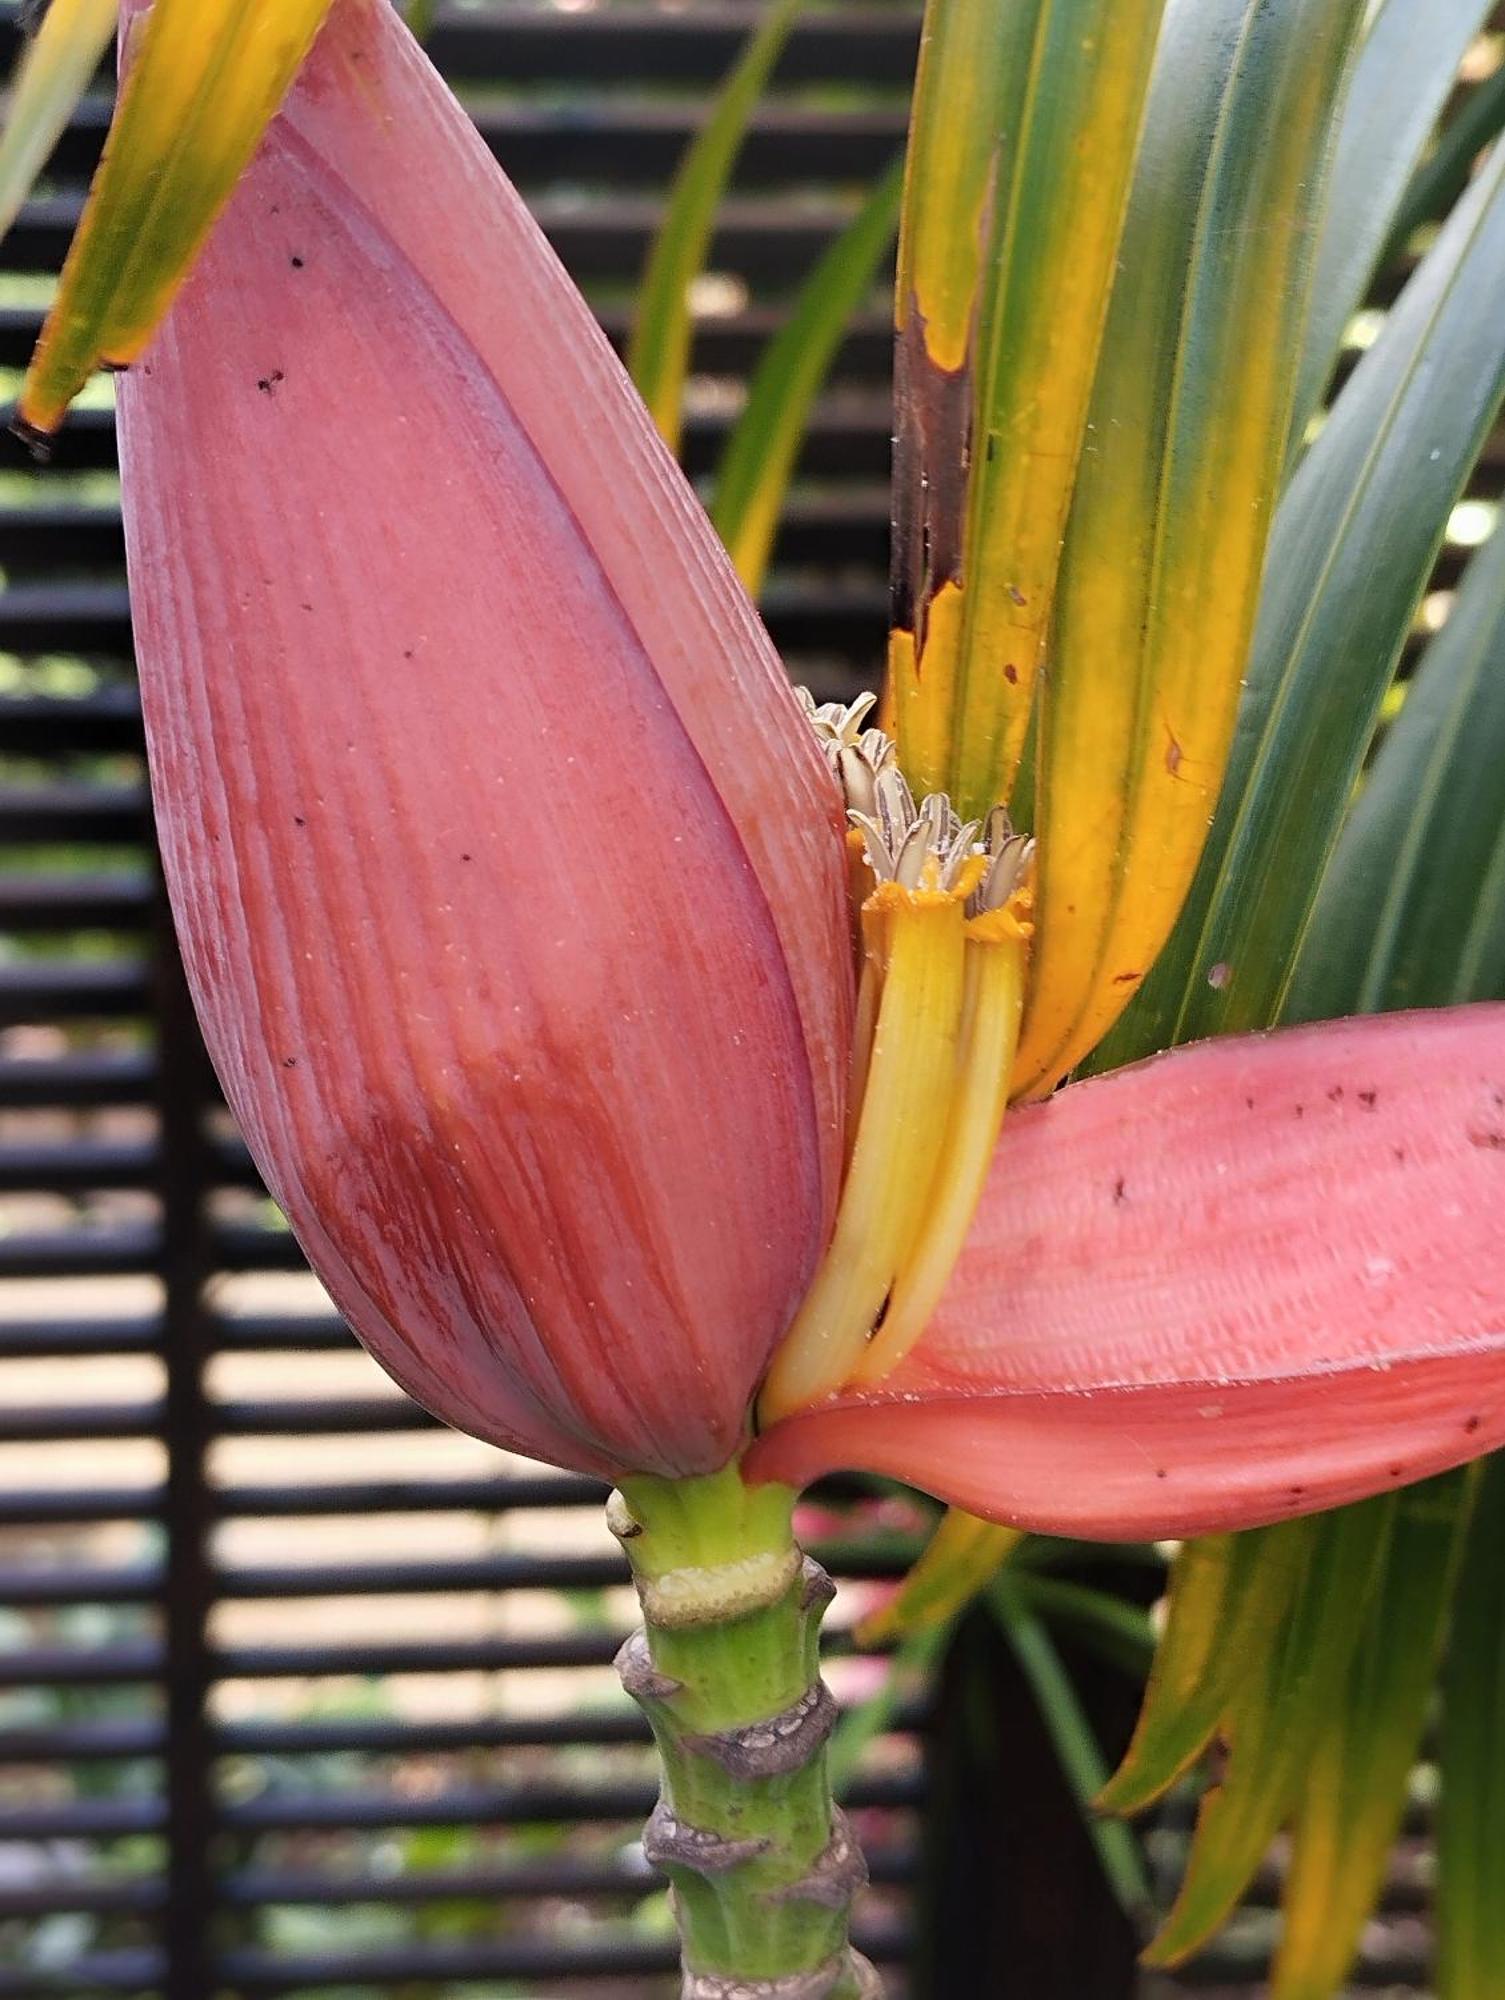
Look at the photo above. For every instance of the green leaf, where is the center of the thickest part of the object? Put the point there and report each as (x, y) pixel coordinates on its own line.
(1187, 440)
(1076, 1746)
(760, 454)
(1406, 68)
(1116, 1630)
(1444, 175)
(1276, 1717)
(1411, 912)
(658, 355)
(863, 1723)
(204, 80)
(1026, 117)
(1352, 549)
(961, 1557)
(1229, 1596)
(1357, 1778)
(1471, 1823)
(56, 67)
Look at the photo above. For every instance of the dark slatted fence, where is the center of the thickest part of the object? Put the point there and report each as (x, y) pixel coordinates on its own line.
(300, 1694)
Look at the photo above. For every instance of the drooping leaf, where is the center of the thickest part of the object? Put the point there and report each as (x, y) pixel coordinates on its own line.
(1360, 1761)
(658, 354)
(1471, 1820)
(1021, 149)
(753, 476)
(1353, 546)
(1405, 69)
(204, 79)
(1076, 1746)
(1186, 441)
(1444, 174)
(961, 1557)
(1228, 1596)
(1411, 911)
(1276, 1717)
(55, 69)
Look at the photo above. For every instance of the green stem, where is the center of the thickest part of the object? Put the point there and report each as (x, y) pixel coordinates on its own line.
(727, 1669)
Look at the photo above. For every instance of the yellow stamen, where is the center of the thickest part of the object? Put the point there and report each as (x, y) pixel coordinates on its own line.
(917, 937)
(996, 950)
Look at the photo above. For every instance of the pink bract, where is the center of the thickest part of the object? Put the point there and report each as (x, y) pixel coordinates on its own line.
(1240, 1281)
(507, 874)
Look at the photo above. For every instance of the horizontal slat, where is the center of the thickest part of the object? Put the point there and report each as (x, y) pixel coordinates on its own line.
(145, 1737)
(83, 1082)
(59, 902)
(70, 989)
(624, 141)
(766, 240)
(540, 1802)
(849, 526)
(73, 812)
(143, 1582)
(840, 442)
(851, 43)
(136, 1971)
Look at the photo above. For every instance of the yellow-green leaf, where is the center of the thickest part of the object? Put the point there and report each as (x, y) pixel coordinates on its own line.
(1186, 441)
(1229, 1596)
(204, 79)
(1357, 1775)
(1020, 156)
(961, 1557)
(658, 354)
(1277, 1714)
(1471, 1821)
(55, 69)
(1358, 530)
(760, 454)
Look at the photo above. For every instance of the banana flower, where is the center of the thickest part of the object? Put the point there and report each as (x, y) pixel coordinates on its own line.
(511, 882)
(513, 886)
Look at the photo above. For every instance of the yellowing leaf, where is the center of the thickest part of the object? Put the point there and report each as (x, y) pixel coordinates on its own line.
(1186, 442)
(52, 75)
(1025, 123)
(204, 79)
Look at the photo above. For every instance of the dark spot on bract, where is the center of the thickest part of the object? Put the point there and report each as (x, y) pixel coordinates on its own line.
(465, 857)
(1123, 978)
(1399, 1153)
(1248, 1103)
(1295, 1491)
(1473, 1424)
(1301, 1111)
(407, 652)
(1011, 674)
(1397, 1472)
(1161, 1473)
(1335, 1093)
(299, 820)
(267, 383)
(296, 262)
(289, 1062)
(1369, 1098)
(1119, 1193)
(1017, 594)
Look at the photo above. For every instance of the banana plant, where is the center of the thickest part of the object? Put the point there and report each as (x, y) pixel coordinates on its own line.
(630, 1043)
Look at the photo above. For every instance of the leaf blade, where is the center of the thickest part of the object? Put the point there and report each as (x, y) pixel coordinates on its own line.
(1019, 164)
(760, 454)
(1164, 547)
(1354, 543)
(658, 353)
(55, 69)
(204, 80)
